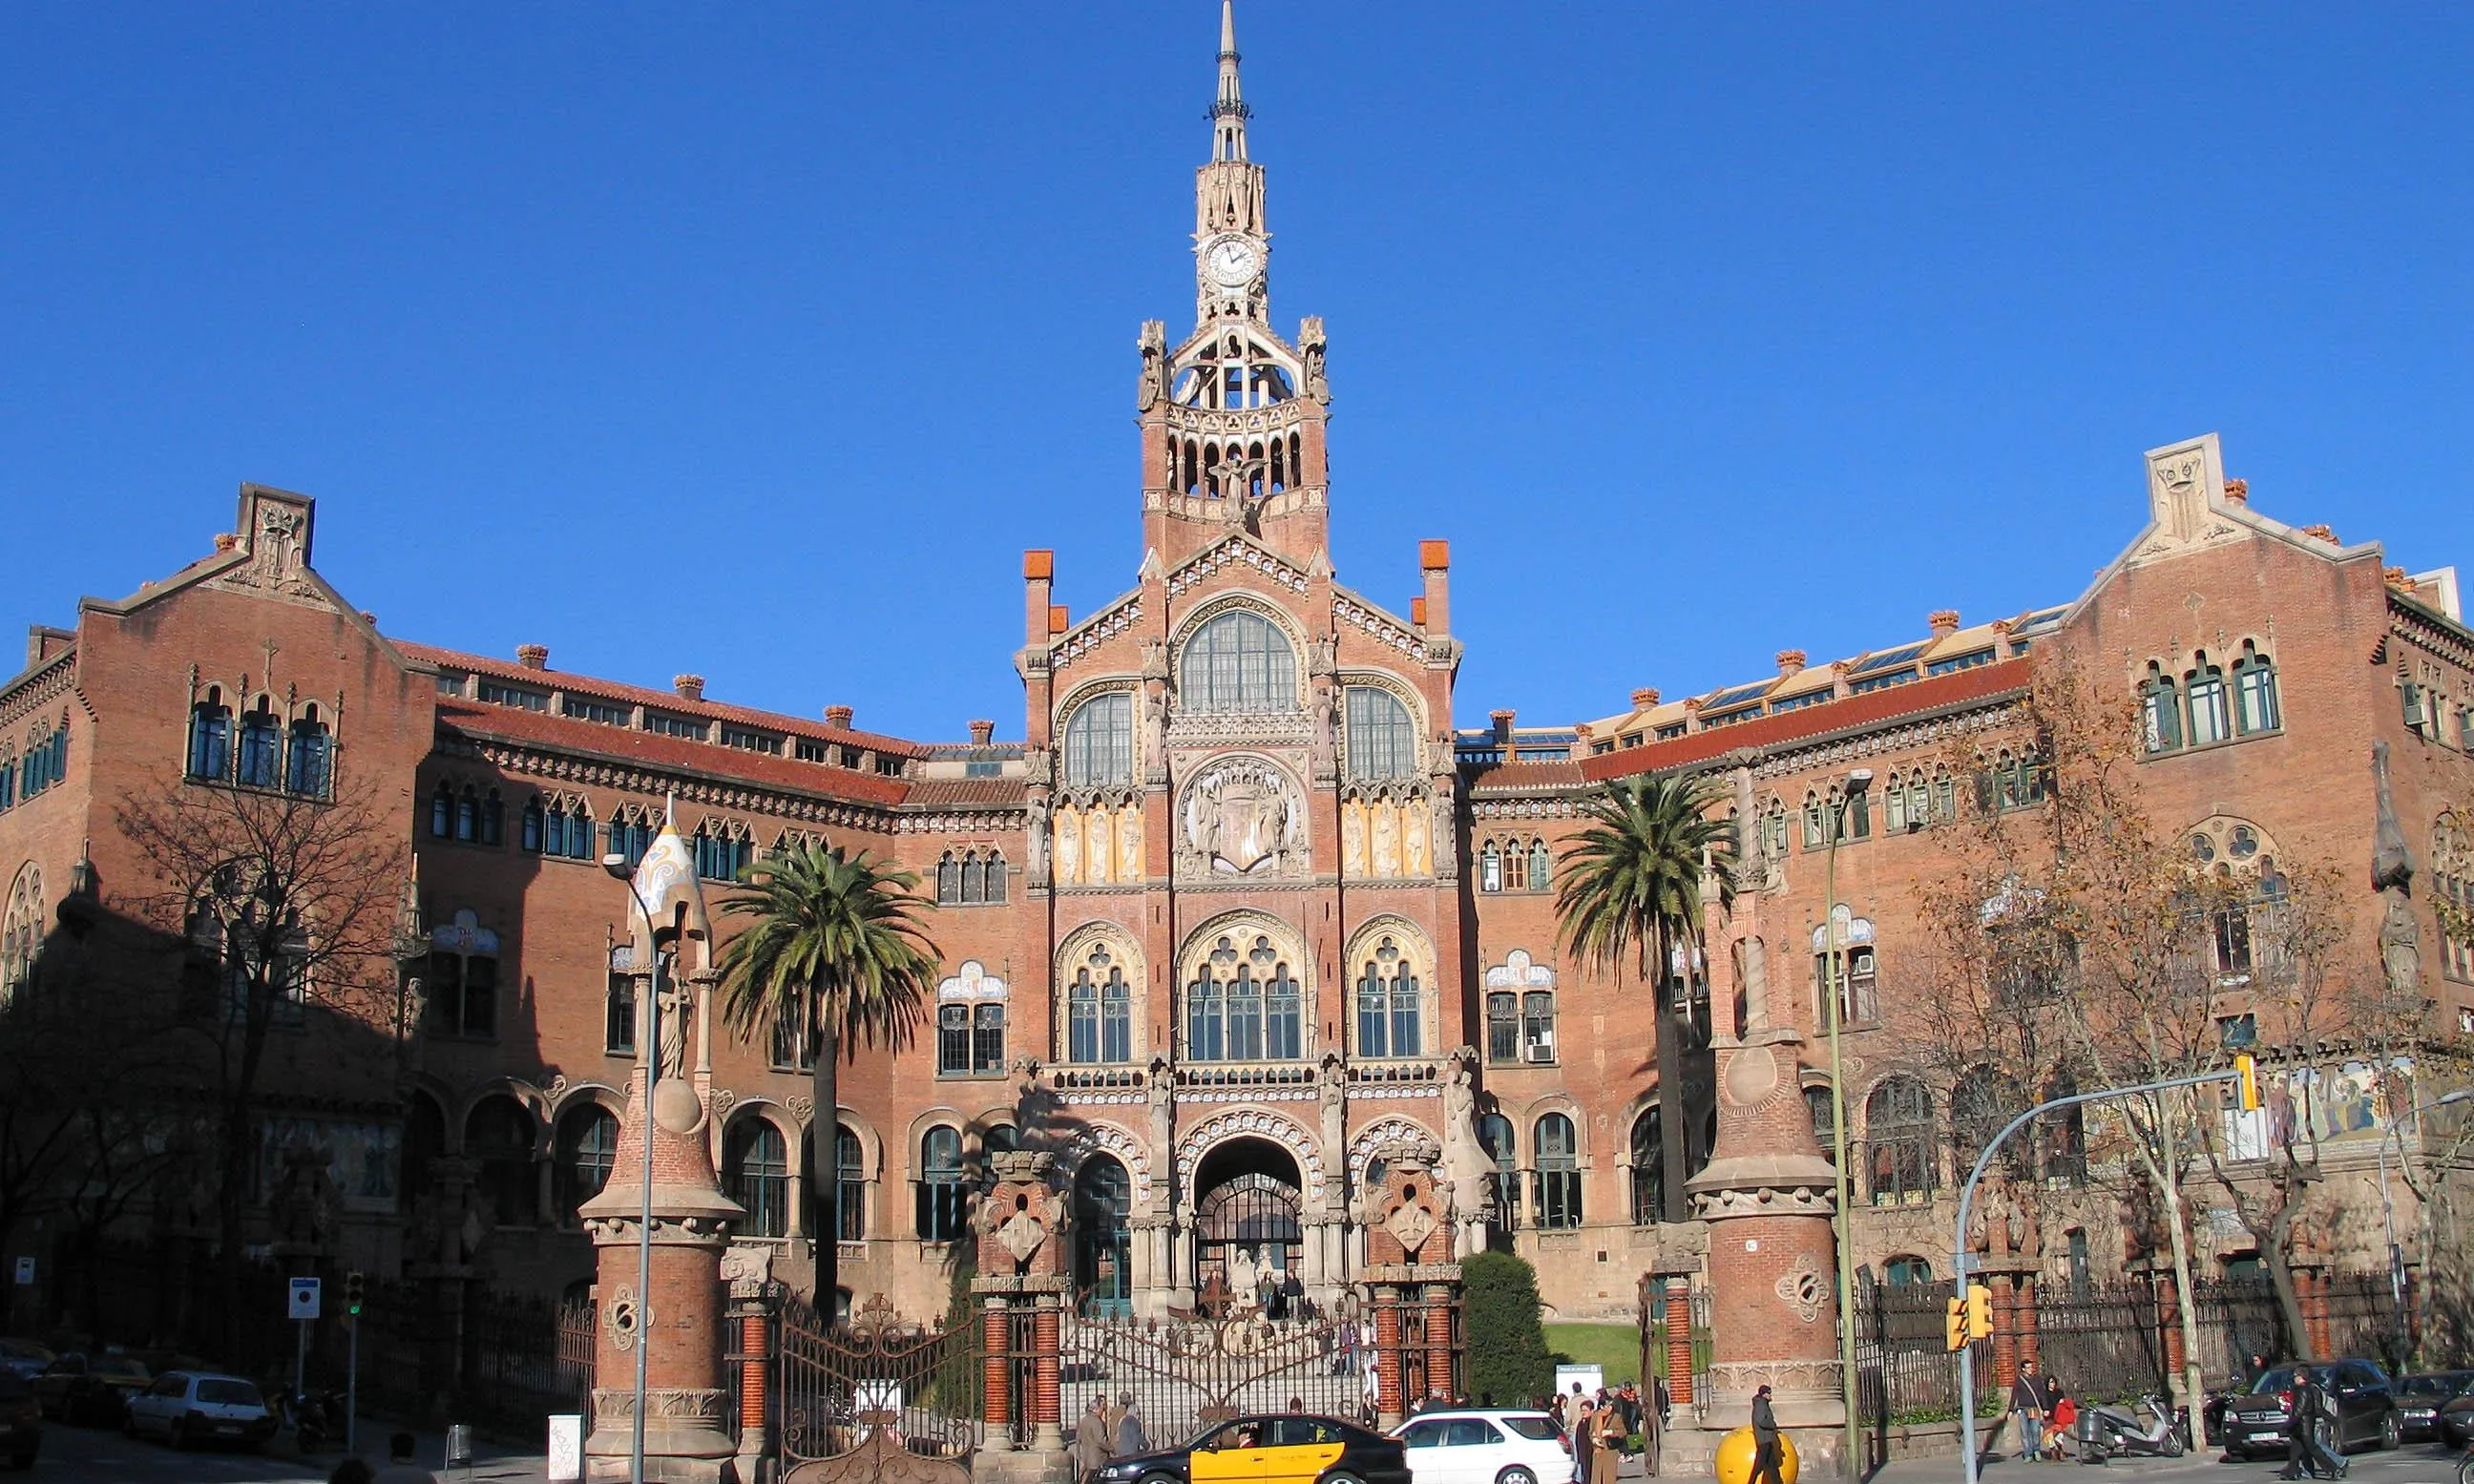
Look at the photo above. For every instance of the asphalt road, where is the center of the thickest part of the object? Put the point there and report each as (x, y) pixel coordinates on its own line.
(2415, 1463)
(89, 1455)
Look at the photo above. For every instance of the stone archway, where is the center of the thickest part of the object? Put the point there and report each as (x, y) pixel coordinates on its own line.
(1249, 1220)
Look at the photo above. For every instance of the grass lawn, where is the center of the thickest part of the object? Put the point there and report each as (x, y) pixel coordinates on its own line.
(1616, 1348)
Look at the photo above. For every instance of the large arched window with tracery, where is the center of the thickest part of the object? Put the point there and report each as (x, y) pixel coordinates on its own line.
(1382, 742)
(21, 931)
(1239, 661)
(1244, 1002)
(1390, 1019)
(1899, 1150)
(1099, 741)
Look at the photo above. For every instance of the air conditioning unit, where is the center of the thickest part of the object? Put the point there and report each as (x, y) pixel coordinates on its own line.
(1542, 1049)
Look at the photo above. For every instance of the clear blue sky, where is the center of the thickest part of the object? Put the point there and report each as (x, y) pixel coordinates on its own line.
(1699, 333)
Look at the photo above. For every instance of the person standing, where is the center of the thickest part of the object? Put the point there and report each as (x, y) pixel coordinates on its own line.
(1767, 1456)
(1091, 1440)
(1585, 1437)
(1132, 1440)
(2030, 1402)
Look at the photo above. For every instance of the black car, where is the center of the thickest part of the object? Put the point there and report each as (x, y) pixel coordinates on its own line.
(2419, 1399)
(1280, 1449)
(2256, 1422)
(21, 1421)
(2455, 1424)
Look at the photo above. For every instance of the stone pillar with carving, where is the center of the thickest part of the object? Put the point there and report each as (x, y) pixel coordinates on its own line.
(1024, 1276)
(1410, 1264)
(747, 1267)
(1766, 1196)
(2002, 1232)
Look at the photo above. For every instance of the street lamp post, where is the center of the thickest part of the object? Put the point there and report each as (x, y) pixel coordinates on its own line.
(2388, 1207)
(649, 1052)
(1834, 974)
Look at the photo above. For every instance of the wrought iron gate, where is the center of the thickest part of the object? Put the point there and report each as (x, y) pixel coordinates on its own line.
(1186, 1372)
(834, 1383)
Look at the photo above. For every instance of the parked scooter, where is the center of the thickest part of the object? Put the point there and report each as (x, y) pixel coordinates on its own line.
(318, 1418)
(2148, 1428)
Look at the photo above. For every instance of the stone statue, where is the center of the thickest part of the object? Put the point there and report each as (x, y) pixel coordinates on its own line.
(1465, 1161)
(1155, 659)
(1152, 387)
(1069, 845)
(2392, 877)
(1413, 838)
(1310, 341)
(1099, 845)
(673, 1002)
(1323, 750)
(1245, 1276)
(1161, 1091)
(1352, 837)
(1387, 839)
(1130, 843)
(1154, 729)
(1035, 820)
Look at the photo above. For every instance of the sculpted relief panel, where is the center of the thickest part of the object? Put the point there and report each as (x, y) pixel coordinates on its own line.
(1098, 845)
(1243, 816)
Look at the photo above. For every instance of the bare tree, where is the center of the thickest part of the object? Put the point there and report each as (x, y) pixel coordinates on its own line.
(283, 908)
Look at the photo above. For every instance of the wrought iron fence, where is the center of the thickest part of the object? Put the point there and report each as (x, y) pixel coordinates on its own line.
(2104, 1343)
(1905, 1371)
(2237, 1319)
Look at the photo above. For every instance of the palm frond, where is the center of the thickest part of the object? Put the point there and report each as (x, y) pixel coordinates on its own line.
(1632, 879)
(833, 932)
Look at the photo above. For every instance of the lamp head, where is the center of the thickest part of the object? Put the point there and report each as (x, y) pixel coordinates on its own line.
(1860, 780)
(616, 865)
(2446, 1099)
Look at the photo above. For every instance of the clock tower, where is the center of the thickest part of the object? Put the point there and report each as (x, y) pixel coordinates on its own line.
(1232, 418)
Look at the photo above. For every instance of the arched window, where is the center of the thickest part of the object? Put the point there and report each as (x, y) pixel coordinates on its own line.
(942, 1189)
(1558, 1173)
(528, 826)
(630, 836)
(468, 817)
(210, 738)
(21, 931)
(588, 1148)
(1858, 1003)
(566, 831)
(1099, 1011)
(1516, 865)
(1099, 741)
(2210, 722)
(493, 819)
(1816, 822)
(499, 1133)
(2255, 708)
(756, 1169)
(1899, 1272)
(850, 1184)
(1390, 1006)
(619, 1004)
(2062, 1136)
(1489, 868)
(2160, 711)
(1774, 828)
(1382, 742)
(1894, 805)
(307, 755)
(1648, 1170)
(1103, 1258)
(720, 852)
(1538, 1026)
(261, 742)
(1239, 661)
(1899, 1142)
(1495, 1135)
(1243, 1003)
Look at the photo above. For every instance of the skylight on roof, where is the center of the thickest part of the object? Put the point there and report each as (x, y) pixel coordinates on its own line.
(1734, 697)
(1890, 657)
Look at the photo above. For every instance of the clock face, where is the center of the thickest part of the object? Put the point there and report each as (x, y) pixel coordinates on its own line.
(1231, 262)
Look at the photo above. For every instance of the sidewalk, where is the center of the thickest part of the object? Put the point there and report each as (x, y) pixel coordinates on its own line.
(492, 1463)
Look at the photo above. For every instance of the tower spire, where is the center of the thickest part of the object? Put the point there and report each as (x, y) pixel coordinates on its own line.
(1229, 111)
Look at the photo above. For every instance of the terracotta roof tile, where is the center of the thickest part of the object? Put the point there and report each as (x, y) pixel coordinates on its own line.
(966, 793)
(1529, 775)
(665, 700)
(1846, 714)
(513, 723)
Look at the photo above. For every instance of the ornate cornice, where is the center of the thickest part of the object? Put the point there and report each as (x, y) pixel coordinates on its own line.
(1363, 616)
(567, 767)
(1091, 633)
(40, 687)
(1235, 552)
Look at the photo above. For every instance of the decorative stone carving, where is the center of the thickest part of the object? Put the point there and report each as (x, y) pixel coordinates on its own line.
(1243, 816)
(1152, 386)
(1804, 1288)
(802, 1107)
(626, 1319)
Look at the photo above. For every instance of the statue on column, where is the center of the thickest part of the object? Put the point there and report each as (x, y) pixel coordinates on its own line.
(1152, 387)
(2392, 877)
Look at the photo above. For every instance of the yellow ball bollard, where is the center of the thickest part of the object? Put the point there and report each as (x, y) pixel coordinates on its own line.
(1734, 1461)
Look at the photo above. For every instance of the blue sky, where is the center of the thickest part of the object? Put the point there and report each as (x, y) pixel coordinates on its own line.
(1701, 332)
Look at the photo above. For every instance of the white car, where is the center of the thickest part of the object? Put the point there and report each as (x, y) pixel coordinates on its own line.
(186, 1408)
(1486, 1446)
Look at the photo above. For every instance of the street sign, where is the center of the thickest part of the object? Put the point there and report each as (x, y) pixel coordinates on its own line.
(1973, 1262)
(25, 1272)
(304, 1295)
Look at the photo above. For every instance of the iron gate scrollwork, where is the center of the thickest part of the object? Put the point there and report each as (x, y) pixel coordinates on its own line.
(836, 1384)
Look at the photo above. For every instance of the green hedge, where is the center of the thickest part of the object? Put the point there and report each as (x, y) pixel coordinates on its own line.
(1508, 1363)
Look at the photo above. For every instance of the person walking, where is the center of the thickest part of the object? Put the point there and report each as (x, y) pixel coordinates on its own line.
(1092, 1445)
(1132, 1440)
(2301, 1432)
(2030, 1402)
(1584, 1439)
(1767, 1456)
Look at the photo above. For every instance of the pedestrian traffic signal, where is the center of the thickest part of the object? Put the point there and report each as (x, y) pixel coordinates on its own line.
(1954, 1327)
(354, 1287)
(1979, 1311)
(2246, 1076)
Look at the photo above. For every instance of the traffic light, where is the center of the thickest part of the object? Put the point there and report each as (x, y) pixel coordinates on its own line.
(1979, 1311)
(2246, 1076)
(355, 1284)
(1953, 1326)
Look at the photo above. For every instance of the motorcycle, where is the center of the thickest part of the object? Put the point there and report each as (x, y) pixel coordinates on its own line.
(2148, 1428)
(317, 1419)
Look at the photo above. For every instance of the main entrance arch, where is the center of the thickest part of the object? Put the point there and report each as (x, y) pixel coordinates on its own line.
(1103, 1280)
(1249, 1218)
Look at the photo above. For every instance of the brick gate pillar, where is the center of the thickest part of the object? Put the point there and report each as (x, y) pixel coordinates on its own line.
(748, 1270)
(1408, 1260)
(2311, 1289)
(1387, 1359)
(2169, 1315)
(996, 1386)
(2031, 1358)
(1023, 1284)
(1679, 1339)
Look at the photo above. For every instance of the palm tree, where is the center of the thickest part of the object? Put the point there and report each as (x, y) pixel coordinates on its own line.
(833, 947)
(1632, 890)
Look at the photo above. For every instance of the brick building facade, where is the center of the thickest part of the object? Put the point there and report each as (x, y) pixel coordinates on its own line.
(1244, 912)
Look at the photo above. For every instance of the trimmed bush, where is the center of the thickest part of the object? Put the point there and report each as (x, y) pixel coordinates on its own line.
(1506, 1363)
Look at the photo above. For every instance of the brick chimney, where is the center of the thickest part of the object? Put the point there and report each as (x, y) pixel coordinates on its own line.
(1435, 565)
(1944, 622)
(2236, 491)
(533, 656)
(1502, 721)
(1582, 736)
(1644, 699)
(690, 687)
(1417, 612)
(982, 732)
(226, 541)
(1790, 663)
(839, 717)
(2326, 533)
